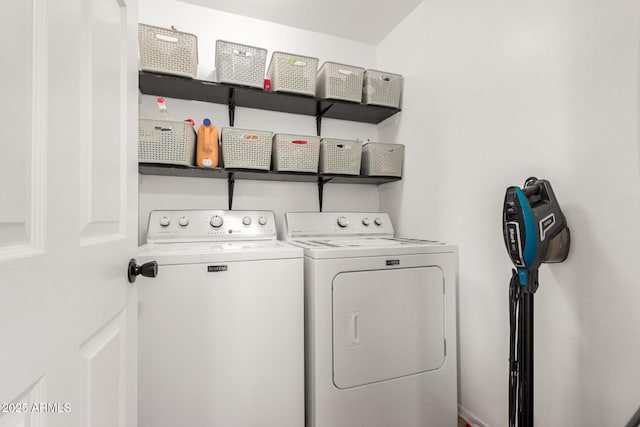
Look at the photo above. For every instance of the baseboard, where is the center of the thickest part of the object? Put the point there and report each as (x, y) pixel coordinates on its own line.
(470, 417)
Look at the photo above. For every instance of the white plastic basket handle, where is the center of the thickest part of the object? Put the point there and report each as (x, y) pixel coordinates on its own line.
(299, 142)
(345, 72)
(165, 38)
(247, 136)
(242, 52)
(385, 78)
(163, 128)
(344, 146)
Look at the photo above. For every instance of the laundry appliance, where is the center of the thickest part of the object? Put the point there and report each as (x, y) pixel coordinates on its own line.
(221, 339)
(380, 323)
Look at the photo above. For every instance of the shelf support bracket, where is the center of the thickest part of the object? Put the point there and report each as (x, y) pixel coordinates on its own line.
(320, 189)
(231, 180)
(319, 114)
(232, 107)
(321, 182)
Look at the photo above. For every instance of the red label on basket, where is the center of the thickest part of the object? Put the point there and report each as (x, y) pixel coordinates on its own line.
(299, 141)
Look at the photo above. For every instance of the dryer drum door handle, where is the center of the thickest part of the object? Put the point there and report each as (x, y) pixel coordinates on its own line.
(354, 329)
(148, 269)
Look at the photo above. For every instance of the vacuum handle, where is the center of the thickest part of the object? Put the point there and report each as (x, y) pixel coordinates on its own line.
(532, 190)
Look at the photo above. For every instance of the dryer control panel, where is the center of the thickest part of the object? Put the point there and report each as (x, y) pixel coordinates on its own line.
(210, 225)
(337, 224)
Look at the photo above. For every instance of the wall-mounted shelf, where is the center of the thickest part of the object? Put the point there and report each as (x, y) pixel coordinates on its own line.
(192, 171)
(231, 95)
(232, 174)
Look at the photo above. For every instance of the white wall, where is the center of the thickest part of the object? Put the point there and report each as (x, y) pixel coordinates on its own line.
(495, 92)
(208, 25)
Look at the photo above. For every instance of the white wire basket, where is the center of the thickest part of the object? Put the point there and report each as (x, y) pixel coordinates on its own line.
(381, 159)
(246, 148)
(340, 156)
(295, 153)
(168, 142)
(168, 51)
(381, 88)
(292, 73)
(340, 81)
(240, 64)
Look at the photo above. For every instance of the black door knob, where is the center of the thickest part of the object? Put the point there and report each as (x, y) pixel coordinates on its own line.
(148, 269)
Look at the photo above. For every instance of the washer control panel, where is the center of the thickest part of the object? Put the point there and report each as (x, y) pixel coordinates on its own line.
(210, 225)
(330, 224)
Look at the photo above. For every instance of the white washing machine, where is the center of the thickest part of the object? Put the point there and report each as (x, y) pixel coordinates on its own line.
(380, 322)
(221, 336)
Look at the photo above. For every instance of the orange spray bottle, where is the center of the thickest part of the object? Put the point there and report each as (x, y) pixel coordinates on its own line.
(207, 147)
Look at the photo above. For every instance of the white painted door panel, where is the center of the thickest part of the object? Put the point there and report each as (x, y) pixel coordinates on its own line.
(68, 180)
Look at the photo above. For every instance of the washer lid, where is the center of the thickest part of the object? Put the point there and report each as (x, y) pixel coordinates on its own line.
(371, 246)
(202, 252)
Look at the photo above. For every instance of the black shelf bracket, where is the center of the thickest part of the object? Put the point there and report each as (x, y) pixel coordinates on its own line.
(319, 114)
(232, 107)
(322, 180)
(231, 181)
(320, 188)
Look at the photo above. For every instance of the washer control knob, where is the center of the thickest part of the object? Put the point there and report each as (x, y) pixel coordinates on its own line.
(262, 220)
(216, 221)
(378, 221)
(343, 221)
(183, 221)
(246, 220)
(366, 222)
(165, 221)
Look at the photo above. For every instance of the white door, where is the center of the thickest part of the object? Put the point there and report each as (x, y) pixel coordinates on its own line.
(68, 206)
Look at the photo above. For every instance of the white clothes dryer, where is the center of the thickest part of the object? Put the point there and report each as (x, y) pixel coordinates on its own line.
(380, 323)
(221, 337)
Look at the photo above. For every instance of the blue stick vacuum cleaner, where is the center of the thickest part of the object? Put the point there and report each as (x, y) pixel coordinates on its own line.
(535, 232)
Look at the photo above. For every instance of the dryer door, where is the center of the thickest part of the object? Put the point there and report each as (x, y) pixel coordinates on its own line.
(387, 324)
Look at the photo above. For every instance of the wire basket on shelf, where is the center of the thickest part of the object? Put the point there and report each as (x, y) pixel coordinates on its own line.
(340, 81)
(381, 159)
(240, 64)
(293, 73)
(167, 142)
(295, 153)
(168, 51)
(340, 156)
(381, 88)
(246, 148)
